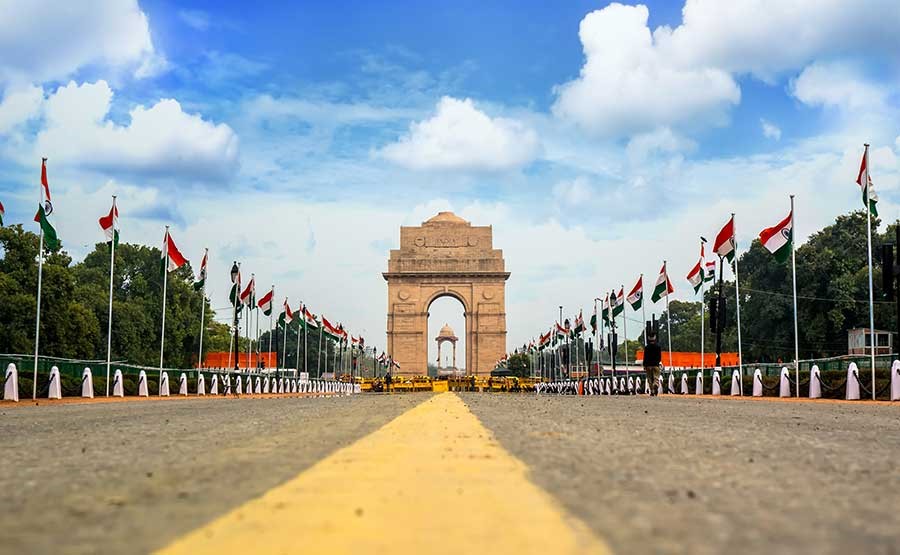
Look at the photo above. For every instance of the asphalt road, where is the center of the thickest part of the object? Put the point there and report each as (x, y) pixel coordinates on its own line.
(131, 477)
(666, 475)
(675, 475)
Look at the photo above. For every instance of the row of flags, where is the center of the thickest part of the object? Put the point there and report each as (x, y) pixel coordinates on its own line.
(777, 239)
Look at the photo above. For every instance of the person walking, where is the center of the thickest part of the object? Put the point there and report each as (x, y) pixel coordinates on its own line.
(652, 359)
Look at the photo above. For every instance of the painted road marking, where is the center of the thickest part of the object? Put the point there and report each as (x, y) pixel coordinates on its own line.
(433, 480)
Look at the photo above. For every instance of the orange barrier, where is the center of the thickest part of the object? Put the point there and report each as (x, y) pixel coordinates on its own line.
(681, 359)
(221, 359)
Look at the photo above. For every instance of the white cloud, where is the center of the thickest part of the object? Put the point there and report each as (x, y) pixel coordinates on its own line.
(767, 37)
(659, 141)
(461, 137)
(837, 85)
(573, 193)
(770, 130)
(629, 84)
(43, 40)
(160, 140)
(267, 108)
(19, 106)
(196, 19)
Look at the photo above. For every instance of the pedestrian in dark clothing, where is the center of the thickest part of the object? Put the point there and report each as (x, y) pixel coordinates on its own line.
(652, 359)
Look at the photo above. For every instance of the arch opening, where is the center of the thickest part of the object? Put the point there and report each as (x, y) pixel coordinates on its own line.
(446, 335)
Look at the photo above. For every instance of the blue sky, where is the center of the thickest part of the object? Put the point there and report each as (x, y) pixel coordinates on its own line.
(298, 136)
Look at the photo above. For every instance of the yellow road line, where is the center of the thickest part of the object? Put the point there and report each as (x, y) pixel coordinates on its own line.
(433, 480)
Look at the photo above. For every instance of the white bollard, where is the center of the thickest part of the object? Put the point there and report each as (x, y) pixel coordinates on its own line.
(735, 383)
(182, 384)
(852, 382)
(54, 391)
(257, 385)
(201, 385)
(227, 383)
(895, 381)
(142, 385)
(671, 382)
(118, 387)
(11, 386)
(637, 384)
(164, 385)
(716, 383)
(630, 385)
(87, 384)
(238, 386)
(757, 383)
(266, 385)
(294, 386)
(623, 387)
(281, 385)
(815, 383)
(214, 385)
(248, 385)
(784, 389)
(659, 386)
(684, 385)
(698, 384)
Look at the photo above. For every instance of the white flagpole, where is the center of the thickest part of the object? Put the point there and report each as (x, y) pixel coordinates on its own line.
(702, 308)
(202, 312)
(668, 314)
(301, 322)
(871, 290)
(319, 354)
(112, 263)
(162, 335)
(737, 302)
(643, 311)
(271, 313)
(625, 329)
(284, 336)
(250, 319)
(794, 277)
(37, 322)
(305, 334)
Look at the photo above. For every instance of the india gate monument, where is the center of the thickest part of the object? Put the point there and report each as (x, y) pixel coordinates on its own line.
(446, 256)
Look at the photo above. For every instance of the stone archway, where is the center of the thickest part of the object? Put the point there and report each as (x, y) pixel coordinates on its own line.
(446, 256)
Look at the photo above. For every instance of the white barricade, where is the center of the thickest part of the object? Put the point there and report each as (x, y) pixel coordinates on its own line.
(257, 385)
(54, 388)
(637, 384)
(164, 385)
(815, 383)
(623, 387)
(266, 385)
(142, 385)
(248, 385)
(698, 384)
(852, 382)
(895, 381)
(214, 385)
(735, 383)
(118, 387)
(659, 386)
(238, 386)
(784, 384)
(716, 383)
(226, 381)
(757, 383)
(684, 384)
(201, 385)
(630, 385)
(671, 382)
(87, 383)
(182, 384)
(11, 387)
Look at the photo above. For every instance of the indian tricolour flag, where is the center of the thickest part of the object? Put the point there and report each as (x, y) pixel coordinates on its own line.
(201, 278)
(710, 271)
(309, 319)
(265, 303)
(779, 238)
(864, 180)
(331, 331)
(663, 286)
(110, 224)
(171, 256)
(695, 276)
(636, 297)
(724, 245)
(248, 296)
(618, 300)
(2, 212)
(286, 316)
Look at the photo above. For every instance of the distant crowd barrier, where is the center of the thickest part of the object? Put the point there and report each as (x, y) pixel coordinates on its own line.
(231, 383)
(635, 383)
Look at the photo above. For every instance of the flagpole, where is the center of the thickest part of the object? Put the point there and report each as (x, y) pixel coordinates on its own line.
(284, 335)
(737, 302)
(702, 308)
(305, 334)
(871, 293)
(112, 263)
(625, 329)
(162, 336)
(271, 313)
(668, 315)
(794, 278)
(250, 303)
(37, 327)
(643, 311)
(202, 316)
(300, 323)
(319, 353)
